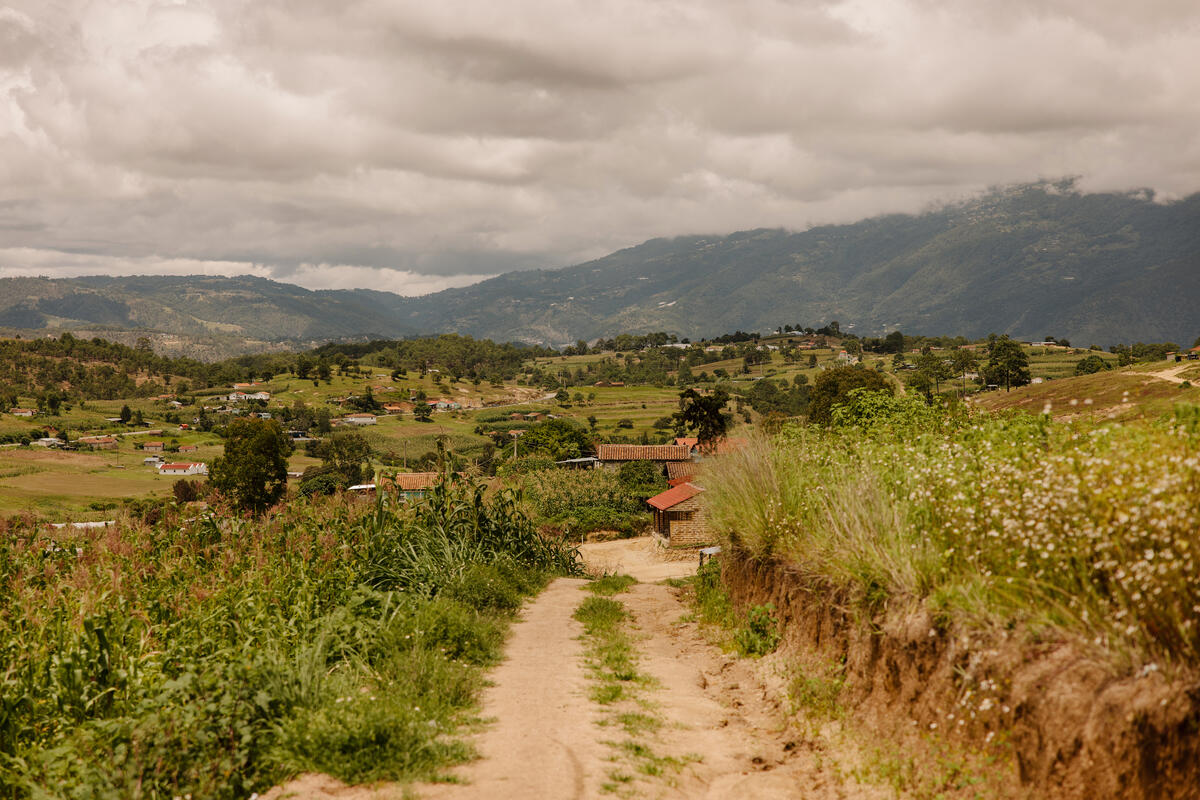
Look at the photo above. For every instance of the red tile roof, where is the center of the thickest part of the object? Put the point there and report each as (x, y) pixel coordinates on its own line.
(675, 496)
(677, 470)
(687, 441)
(642, 452)
(414, 481)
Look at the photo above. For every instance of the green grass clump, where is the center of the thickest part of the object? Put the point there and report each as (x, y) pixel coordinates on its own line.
(610, 585)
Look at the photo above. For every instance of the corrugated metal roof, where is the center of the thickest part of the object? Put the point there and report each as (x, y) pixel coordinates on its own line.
(642, 452)
(673, 497)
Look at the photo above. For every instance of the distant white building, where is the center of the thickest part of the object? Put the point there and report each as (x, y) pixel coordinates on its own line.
(193, 468)
(359, 419)
(235, 397)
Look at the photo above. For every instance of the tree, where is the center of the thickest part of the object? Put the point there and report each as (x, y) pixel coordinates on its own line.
(558, 439)
(1091, 365)
(253, 471)
(963, 361)
(126, 414)
(934, 368)
(833, 385)
(345, 453)
(704, 414)
(562, 396)
(1008, 365)
(422, 411)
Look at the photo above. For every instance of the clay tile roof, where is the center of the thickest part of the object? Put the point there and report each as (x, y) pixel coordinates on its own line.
(414, 481)
(675, 496)
(642, 452)
(687, 441)
(681, 469)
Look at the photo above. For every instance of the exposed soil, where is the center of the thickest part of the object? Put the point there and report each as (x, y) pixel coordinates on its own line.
(1061, 724)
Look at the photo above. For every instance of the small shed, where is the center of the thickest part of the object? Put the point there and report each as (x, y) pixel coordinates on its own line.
(679, 516)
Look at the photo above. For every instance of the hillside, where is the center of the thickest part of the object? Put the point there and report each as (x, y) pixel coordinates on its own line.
(1029, 261)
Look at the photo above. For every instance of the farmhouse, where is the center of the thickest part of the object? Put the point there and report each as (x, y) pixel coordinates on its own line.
(411, 485)
(359, 419)
(679, 517)
(192, 468)
(154, 447)
(614, 455)
(22, 412)
(188, 448)
(98, 442)
(235, 397)
(397, 408)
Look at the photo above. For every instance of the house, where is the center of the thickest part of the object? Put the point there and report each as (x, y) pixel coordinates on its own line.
(411, 485)
(98, 442)
(359, 419)
(192, 468)
(22, 412)
(614, 455)
(516, 415)
(397, 408)
(586, 462)
(680, 472)
(690, 442)
(154, 447)
(679, 517)
(151, 461)
(188, 448)
(235, 396)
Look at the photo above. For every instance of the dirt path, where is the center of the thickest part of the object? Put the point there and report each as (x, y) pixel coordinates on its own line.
(548, 740)
(543, 743)
(638, 558)
(1170, 374)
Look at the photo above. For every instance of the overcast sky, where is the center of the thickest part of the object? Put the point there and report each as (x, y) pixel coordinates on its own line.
(415, 145)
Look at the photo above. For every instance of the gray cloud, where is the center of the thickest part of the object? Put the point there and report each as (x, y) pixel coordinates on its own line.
(379, 141)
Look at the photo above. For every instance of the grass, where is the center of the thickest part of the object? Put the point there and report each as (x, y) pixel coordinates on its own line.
(620, 688)
(1086, 528)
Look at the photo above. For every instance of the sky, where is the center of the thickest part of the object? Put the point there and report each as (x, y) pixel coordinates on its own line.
(416, 146)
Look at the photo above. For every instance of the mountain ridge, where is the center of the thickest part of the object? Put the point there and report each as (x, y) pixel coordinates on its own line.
(1030, 261)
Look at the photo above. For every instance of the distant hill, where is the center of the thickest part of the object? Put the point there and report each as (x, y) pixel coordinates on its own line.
(1030, 261)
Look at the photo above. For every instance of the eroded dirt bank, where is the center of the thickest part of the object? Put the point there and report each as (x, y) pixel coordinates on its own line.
(1063, 725)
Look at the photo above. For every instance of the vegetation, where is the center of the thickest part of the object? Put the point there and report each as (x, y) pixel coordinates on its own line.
(1086, 527)
(215, 657)
(577, 502)
(253, 471)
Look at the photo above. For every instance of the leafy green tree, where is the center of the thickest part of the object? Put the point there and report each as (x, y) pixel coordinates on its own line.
(253, 471)
(126, 414)
(422, 411)
(961, 362)
(1007, 365)
(1091, 365)
(557, 439)
(563, 396)
(833, 385)
(346, 453)
(934, 368)
(704, 414)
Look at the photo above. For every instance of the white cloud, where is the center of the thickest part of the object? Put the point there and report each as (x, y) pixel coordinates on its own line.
(464, 138)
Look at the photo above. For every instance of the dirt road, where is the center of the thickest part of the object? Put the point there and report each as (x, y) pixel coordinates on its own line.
(721, 728)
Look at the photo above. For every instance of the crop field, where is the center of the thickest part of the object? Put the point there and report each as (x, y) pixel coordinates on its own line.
(212, 658)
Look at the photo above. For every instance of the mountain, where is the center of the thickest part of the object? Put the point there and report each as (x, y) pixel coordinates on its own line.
(1031, 261)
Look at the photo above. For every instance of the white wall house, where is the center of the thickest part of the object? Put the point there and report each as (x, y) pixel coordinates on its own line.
(194, 468)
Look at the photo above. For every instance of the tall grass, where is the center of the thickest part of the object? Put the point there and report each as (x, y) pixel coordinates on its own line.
(216, 657)
(1090, 527)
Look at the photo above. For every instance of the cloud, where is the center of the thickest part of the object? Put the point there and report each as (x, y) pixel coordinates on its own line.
(421, 145)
